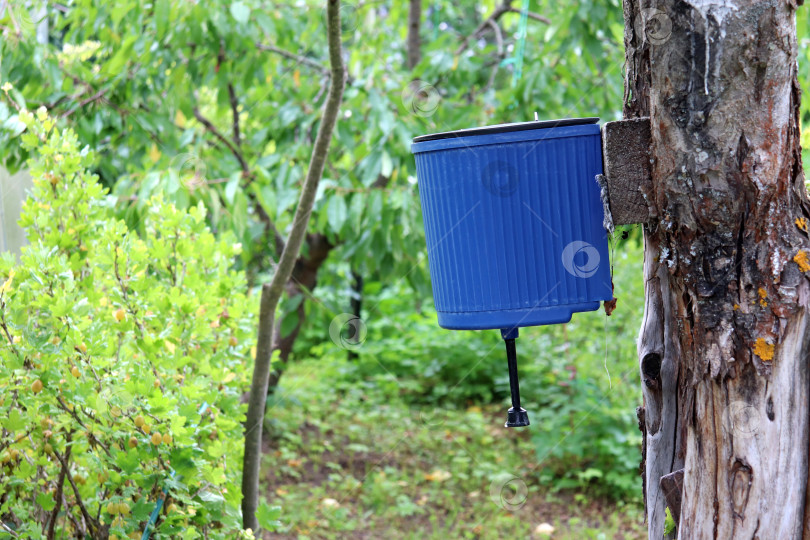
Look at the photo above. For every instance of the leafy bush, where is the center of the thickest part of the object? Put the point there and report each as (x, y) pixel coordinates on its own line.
(406, 352)
(583, 424)
(122, 362)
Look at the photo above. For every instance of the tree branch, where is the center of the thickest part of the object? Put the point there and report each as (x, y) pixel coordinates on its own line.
(498, 36)
(504, 7)
(98, 95)
(501, 51)
(237, 139)
(60, 484)
(215, 132)
(278, 240)
(414, 23)
(295, 57)
(88, 518)
(8, 530)
(531, 15)
(271, 293)
(494, 16)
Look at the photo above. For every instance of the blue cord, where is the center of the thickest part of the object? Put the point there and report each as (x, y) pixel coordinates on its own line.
(156, 512)
(521, 47)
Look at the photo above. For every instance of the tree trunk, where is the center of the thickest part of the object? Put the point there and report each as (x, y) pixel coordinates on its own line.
(723, 346)
(414, 23)
(271, 292)
(304, 279)
(356, 303)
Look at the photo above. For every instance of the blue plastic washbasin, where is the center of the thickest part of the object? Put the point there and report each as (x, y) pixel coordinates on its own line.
(513, 223)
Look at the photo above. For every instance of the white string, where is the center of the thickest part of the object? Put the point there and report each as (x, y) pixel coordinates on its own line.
(610, 382)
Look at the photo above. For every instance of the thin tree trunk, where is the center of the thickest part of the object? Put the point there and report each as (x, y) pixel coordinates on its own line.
(723, 347)
(304, 279)
(414, 23)
(271, 293)
(356, 303)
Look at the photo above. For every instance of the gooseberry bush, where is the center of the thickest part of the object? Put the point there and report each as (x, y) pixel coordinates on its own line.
(122, 362)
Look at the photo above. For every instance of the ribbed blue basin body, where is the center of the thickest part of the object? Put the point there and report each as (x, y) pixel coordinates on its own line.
(513, 223)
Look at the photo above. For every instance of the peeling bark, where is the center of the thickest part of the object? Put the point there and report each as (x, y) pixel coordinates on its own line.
(659, 352)
(723, 346)
(672, 486)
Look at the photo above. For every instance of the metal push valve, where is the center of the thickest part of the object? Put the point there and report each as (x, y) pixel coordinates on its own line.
(517, 415)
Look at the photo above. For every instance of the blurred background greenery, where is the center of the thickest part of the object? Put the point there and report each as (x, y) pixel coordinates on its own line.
(219, 101)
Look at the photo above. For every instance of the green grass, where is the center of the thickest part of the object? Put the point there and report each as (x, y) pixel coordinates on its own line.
(349, 460)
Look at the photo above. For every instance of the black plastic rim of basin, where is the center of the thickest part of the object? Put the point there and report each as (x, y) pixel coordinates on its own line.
(506, 128)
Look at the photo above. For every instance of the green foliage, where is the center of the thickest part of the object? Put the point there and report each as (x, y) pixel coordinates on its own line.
(582, 390)
(669, 523)
(103, 78)
(583, 422)
(132, 78)
(111, 345)
(407, 352)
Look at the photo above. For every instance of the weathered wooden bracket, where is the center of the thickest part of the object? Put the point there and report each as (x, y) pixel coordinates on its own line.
(672, 486)
(627, 181)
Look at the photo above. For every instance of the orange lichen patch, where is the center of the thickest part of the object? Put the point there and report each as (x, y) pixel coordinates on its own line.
(736, 307)
(801, 223)
(802, 260)
(764, 350)
(763, 294)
